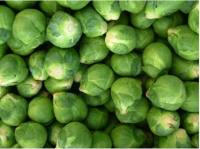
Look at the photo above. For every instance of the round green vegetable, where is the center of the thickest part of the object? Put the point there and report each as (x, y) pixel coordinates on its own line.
(101, 140)
(74, 5)
(20, 5)
(193, 18)
(195, 140)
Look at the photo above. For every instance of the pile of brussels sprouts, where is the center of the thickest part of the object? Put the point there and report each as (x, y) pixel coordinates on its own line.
(99, 74)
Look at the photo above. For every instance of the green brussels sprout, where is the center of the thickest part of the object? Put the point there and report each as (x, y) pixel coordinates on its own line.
(16, 146)
(31, 135)
(177, 139)
(184, 69)
(4, 90)
(40, 110)
(190, 122)
(101, 140)
(53, 130)
(195, 140)
(97, 100)
(157, 9)
(193, 18)
(143, 41)
(126, 64)
(157, 59)
(112, 123)
(13, 109)
(69, 107)
(54, 85)
(168, 92)
(132, 6)
(49, 8)
(6, 22)
(161, 25)
(20, 5)
(123, 19)
(74, 135)
(121, 39)
(61, 63)
(36, 65)
(74, 5)
(79, 74)
(97, 79)
(126, 93)
(29, 28)
(148, 143)
(109, 10)
(109, 105)
(13, 70)
(187, 6)
(165, 41)
(44, 93)
(29, 87)
(191, 104)
(184, 41)
(137, 114)
(149, 82)
(93, 50)
(7, 135)
(93, 25)
(3, 50)
(63, 30)
(163, 122)
(139, 20)
(97, 118)
(127, 136)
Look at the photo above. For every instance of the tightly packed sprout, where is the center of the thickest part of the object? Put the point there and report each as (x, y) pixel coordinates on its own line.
(99, 74)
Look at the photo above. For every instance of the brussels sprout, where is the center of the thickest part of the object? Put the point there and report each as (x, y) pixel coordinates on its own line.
(184, 69)
(49, 8)
(40, 109)
(168, 92)
(195, 140)
(92, 23)
(53, 130)
(93, 50)
(13, 109)
(185, 42)
(121, 39)
(158, 9)
(44, 93)
(101, 140)
(74, 5)
(109, 105)
(13, 70)
(31, 135)
(36, 65)
(29, 28)
(157, 59)
(132, 6)
(61, 63)
(187, 6)
(6, 22)
(4, 90)
(74, 135)
(137, 114)
(112, 123)
(127, 136)
(191, 104)
(109, 10)
(20, 5)
(193, 18)
(148, 143)
(161, 25)
(69, 107)
(63, 30)
(126, 93)
(190, 122)
(97, 100)
(3, 50)
(177, 139)
(163, 122)
(29, 87)
(139, 20)
(16, 146)
(126, 64)
(149, 82)
(97, 79)
(143, 41)
(79, 74)
(7, 135)
(54, 85)
(164, 41)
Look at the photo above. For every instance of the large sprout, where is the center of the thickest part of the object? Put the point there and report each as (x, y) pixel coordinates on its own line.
(126, 93)
(20, 5)
(193, 18)
(187, 6)
(195, 140)
(93, 25)
(74, 135)
(164, 86)
(74, 5)
(13, 70)
(17, 111)
(101, 140)
(63, 30)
